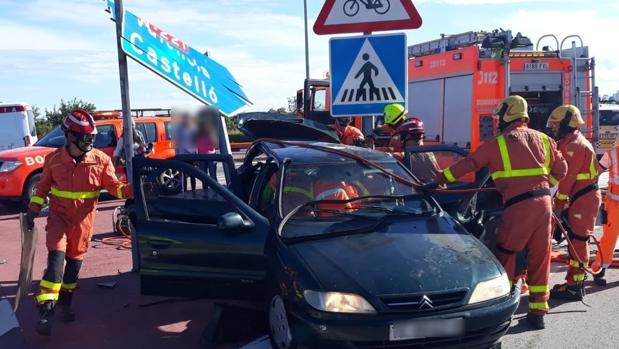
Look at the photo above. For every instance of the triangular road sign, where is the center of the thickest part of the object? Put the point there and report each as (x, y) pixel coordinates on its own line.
(368, 81)
(353, 16)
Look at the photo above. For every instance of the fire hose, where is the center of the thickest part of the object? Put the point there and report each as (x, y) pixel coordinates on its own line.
(120, 226)
(559, 223)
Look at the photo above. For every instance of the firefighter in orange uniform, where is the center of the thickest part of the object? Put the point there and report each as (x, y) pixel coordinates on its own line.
(394, 115)
(349, 135)
(523, 164)
(72, 179)
(578, 196)
(605, 254)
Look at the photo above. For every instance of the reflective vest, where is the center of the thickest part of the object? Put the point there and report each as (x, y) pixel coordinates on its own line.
(508, 172)
(613, 175)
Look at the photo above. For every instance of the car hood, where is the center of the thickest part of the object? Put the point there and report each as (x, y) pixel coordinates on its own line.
(288, 129)
(22, 152)
(423, 255)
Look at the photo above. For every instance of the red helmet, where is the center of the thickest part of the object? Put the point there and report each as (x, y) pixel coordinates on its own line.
(412, 125)
(80, 121)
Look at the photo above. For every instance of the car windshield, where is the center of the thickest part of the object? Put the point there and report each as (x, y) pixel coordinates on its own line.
(609, 117)
(344, 197)
(53, 139)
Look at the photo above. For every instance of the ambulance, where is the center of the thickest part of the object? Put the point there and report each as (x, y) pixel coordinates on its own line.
(17, 126)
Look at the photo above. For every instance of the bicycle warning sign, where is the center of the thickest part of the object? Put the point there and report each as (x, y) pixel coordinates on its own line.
(350, 16)
(367, 73)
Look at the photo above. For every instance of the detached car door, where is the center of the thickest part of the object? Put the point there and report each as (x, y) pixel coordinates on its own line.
(200, 241)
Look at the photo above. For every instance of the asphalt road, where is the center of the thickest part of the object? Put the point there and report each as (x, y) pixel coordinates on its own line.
(119, 317)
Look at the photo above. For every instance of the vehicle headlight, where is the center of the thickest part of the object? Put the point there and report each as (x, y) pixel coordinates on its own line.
(337, 302)
(490, 289)
(8, 166)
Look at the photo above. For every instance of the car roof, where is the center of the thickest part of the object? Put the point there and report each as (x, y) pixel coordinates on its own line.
(112, 121)
(303, 155)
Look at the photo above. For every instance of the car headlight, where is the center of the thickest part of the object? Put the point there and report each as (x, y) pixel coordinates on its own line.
(490, 289)
(8, 166)
(337, 302)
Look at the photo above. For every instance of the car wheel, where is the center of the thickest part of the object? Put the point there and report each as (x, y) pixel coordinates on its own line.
(30, 189)
(169, 181)
(281, 336)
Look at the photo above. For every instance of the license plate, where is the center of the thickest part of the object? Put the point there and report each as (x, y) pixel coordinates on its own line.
(416, 329)
(536, 66)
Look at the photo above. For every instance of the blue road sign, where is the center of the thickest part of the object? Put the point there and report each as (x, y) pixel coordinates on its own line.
(183, 66)
(367, 73)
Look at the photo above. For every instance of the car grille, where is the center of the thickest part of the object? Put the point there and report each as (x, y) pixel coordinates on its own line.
(424, 302)
(477, 338)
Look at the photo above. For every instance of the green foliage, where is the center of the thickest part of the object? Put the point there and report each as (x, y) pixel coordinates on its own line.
(56, 115)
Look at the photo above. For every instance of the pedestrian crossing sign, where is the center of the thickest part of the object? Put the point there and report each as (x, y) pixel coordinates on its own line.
(367, 73)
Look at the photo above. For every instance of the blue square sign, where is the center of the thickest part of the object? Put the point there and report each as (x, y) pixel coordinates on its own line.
(367, 73)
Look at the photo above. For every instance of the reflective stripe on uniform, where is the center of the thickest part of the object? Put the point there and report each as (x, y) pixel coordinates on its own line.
(562, 196)
(552, 180)
(539, 288)
(579, 277)
(46, 297)
(299, 191)
(576, 264)
(449, 176)
(507, 165)
(119, 191)
(614, 177)
(37, 200)
(74, 195)
(69, 287)
(612, 196)
(593, 172)
(538, 305)
(364, 190)
(52, 286)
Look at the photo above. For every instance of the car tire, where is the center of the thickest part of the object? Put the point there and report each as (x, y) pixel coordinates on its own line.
(169, 181)
(29, 189)
(279, 328)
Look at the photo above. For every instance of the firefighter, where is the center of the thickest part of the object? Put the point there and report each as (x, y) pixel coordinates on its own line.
(523, 164)
(349, 135)
(411, 134)
(578, 198)
(72, 179)
(605, 253)
(394, 115)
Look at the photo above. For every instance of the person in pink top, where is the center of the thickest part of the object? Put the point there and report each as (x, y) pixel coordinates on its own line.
(205, 137)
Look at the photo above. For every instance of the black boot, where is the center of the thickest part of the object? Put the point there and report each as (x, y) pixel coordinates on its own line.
(46, 318)
(536, 321)
(568, 292)
(600, 279)
(64, 306)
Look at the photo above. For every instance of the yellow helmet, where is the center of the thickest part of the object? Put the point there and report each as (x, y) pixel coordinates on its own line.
(569, 111)
(394, 113)
(512, 108)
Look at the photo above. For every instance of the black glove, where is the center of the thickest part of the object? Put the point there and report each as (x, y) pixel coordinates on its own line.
(30, 216)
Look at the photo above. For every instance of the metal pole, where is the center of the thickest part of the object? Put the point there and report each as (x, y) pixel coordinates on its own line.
(124, 91)
(306, 97)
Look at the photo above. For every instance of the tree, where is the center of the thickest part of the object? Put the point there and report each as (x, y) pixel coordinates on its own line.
(42, 125)
(55, 116)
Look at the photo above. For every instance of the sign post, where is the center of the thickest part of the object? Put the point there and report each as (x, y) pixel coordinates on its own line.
(124, 91)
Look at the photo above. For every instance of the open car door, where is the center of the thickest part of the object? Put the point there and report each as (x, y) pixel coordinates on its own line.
(478, 212)
(200, 240)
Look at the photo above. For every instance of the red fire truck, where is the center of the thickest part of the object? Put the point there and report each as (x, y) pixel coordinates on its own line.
(456, 82)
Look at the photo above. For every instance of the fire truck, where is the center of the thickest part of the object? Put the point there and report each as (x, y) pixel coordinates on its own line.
(456, 82)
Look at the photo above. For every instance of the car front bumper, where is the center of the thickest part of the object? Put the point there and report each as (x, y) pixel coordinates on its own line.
(484, 327)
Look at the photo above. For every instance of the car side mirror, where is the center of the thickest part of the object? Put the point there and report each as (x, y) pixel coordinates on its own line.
(233, 222)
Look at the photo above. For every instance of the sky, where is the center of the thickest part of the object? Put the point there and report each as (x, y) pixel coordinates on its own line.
(53, 50)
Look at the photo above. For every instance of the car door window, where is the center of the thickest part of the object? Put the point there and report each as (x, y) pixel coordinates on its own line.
(172, 193)
(106, 136)
(148, 130)
(426, 165)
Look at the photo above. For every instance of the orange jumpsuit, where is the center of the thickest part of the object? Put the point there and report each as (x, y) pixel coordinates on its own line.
(73, 189)
(582, 212)
(521, 160)
(334, 191)
(605, 254)
(348, 134)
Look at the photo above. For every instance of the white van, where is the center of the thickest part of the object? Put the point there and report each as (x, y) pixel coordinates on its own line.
(17, 128)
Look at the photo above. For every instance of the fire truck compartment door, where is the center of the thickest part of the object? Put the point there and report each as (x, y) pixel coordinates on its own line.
(531, 82)
(458, 107)
(425, 100)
